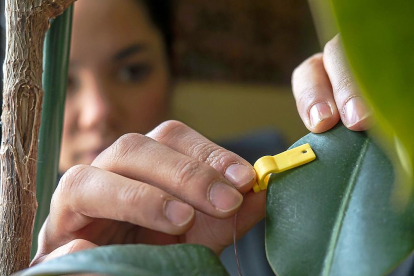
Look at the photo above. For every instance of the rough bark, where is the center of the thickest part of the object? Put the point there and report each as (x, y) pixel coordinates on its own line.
(26, 24)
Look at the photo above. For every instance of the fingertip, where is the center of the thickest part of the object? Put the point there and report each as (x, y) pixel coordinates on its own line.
(241, 176)
(225, 199)
(325, 125)
(356, 115)
(322, 116)
(362, 125)
(179, 214)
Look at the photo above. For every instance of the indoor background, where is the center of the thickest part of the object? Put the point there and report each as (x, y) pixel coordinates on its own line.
(234, 60)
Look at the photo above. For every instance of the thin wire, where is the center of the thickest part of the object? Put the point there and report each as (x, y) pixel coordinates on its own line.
(235, 245)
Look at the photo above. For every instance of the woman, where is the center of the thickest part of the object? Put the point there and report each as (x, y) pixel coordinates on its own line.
(171, 185)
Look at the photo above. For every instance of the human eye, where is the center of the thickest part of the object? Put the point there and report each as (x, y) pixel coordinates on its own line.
(72, 84)
(134, 73)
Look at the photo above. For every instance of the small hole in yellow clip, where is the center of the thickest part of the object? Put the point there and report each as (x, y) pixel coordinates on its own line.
(304, 151)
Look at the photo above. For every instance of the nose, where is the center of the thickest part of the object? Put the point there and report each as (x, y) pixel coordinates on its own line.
(94, 104)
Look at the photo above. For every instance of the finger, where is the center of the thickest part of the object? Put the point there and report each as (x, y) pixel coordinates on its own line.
(139, 157)
(216, 234)
(85, 192)
(353, 110)
(313, 94)
(69, 248)
(252, 211)
(187, 141)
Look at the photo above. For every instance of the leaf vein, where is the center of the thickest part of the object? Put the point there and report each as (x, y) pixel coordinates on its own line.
(341, 213)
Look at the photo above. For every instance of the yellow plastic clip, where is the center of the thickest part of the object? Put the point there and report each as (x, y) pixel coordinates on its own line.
(284, 161)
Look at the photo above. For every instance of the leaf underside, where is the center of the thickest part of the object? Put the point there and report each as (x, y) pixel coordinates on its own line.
(336, 215)
(135, 260)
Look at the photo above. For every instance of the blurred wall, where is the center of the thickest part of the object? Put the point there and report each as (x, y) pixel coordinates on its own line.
(223, 110)
(234, 64)
(234, 61)
(242, 40)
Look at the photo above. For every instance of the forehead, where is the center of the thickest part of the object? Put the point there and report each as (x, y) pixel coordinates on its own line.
(103, 27)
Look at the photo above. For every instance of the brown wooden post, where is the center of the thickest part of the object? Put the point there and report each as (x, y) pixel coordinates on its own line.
(26, 24)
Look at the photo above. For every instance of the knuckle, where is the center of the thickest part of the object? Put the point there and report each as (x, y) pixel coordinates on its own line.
(344, 85)
(71, 181)
(311, 62)
(132, 196)
(73, 177)
(211, 154)
(167, 130)
(295, 74)
(329, 48)
(332, 46)
(126, 144)
(304, 70)
(333, 49)
(186, 170)
(315, 61)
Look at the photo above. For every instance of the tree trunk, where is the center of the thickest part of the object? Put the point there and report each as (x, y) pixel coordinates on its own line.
(26, 24)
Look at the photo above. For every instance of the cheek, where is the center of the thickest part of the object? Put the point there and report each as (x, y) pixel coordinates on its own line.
(69, 121)
(68, 141)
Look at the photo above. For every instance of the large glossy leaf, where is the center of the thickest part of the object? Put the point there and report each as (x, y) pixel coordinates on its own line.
(378, 37)
(335, 216)
(135, 260)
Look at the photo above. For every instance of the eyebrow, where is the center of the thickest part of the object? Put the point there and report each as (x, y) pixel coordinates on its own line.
(129, 51)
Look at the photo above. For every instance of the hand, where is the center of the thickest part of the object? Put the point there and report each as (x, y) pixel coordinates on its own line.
(325, 91)
(171, 186)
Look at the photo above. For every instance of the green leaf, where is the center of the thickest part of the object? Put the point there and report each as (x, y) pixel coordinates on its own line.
(134, 260)
(55, 77)
(378, 38)
(335, 215)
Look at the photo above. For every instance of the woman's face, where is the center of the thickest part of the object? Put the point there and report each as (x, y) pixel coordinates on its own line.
(119, 80)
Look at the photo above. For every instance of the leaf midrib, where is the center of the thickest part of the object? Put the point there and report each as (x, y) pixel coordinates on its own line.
(341, 213)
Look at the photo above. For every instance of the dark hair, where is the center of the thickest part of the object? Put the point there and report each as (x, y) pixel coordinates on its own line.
(161, 15)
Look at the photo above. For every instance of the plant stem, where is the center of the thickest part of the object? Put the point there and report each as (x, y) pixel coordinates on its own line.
(26, 24)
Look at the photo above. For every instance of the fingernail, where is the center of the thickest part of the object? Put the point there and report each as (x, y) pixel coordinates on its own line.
(319, 112)
(355, 111)
(224, 197)
(178, 212)
(239, 175)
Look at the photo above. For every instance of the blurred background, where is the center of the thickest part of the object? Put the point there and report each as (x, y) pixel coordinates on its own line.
(234, 60)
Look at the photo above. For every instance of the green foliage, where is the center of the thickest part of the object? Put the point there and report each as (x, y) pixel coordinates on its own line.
(135, 260)
(335, 216)
(55, 78)
(339, 215)
(378, 37)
